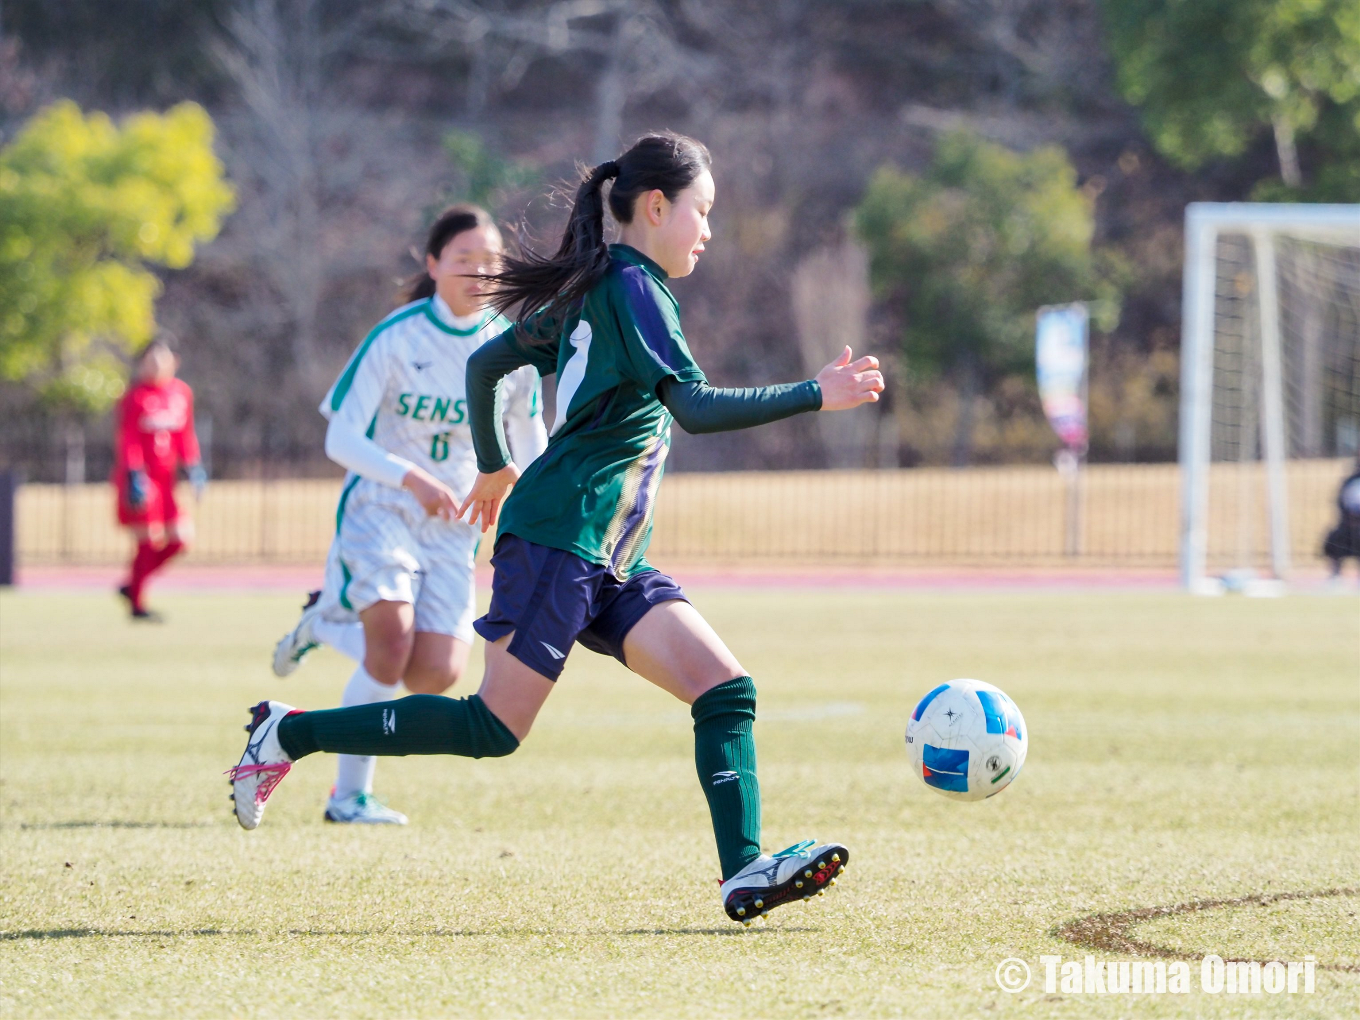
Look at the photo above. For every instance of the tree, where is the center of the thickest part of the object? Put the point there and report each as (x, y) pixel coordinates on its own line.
(963, 255)
(631, 42)
(485, 176)
(322, 198)
(275, 53)
(1211, 75)
(85, 208)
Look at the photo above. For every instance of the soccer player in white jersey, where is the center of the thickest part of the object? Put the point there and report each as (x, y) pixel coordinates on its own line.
(399, 592)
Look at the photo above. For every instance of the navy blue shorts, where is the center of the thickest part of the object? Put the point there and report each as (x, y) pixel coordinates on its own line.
(552, 598)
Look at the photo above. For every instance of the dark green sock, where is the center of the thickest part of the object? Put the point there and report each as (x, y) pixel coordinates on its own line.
(725, 756)
(416, 724)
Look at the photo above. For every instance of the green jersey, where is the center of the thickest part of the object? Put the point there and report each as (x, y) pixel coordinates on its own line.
(592, 491)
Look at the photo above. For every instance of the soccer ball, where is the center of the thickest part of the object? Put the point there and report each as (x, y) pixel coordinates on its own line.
(967, 740)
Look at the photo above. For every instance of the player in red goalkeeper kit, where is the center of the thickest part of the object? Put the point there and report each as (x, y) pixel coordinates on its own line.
(155, 438)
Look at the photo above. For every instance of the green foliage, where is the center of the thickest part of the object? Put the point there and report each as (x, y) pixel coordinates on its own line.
(965, 254)
(485, 177)
(1211, 75)
(1333, 159)
(85, 207)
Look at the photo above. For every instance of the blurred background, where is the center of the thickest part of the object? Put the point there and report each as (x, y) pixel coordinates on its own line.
(912, 177)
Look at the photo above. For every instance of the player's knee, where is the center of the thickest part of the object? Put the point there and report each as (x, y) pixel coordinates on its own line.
(387, 655)
(392, 645)
(422, 679)
(434, 668)
(733, 700)
(498, 744)
(491, 737)
(501, 749)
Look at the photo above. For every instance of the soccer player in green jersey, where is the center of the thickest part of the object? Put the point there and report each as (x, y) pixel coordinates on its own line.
(569, 559)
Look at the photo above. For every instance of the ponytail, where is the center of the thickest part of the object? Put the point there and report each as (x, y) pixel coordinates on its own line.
(454, 220)
(549, 288)
(418, 287)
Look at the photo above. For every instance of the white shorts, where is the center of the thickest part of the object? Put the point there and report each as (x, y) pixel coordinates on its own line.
(387, 549)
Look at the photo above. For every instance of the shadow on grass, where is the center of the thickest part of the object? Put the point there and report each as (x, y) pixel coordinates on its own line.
(115, 825)
(735, 930)
(39, 934)
(1114, 933)
(109, 933)
(465, 933)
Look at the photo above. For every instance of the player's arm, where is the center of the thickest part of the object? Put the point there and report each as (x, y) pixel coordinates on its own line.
(496, 471)
(130, 433)
(524, 417)
(661, 361)
(351, 405)
(130, 451)
(187, 448)
(699, 407)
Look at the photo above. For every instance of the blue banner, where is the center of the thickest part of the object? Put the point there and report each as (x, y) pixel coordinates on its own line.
(1060, 363)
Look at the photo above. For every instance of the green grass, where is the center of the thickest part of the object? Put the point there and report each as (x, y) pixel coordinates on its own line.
(1180, 749)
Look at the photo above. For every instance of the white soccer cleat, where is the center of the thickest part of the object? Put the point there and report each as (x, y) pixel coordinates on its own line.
(294, 646)
(800, 872)
(362, 809)
(263, 765)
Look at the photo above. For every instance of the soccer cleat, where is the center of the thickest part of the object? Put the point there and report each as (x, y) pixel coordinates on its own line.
(136, 612)
(294, 646)
(262, 766)
(800, 872)
(362, 809)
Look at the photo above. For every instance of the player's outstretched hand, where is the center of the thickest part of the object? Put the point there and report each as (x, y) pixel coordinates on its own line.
(846, 384)
(138, 489)
(436, 497)
(487, 495)
(198, 478)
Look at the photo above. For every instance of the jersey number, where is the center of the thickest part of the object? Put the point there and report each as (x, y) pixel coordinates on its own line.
(439, 447)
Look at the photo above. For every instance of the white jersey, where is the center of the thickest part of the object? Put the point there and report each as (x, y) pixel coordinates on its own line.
(405, 388)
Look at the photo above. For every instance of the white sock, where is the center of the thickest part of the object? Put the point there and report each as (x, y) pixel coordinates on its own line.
(345, 638)
(355, 771)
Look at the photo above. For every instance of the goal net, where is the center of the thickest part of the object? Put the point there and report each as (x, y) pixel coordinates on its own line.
(1270, 386)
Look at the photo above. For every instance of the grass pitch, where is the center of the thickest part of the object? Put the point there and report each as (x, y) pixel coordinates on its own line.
(1180, 750)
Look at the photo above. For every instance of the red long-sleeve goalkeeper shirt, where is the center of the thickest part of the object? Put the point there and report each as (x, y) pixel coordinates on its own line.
(156, 430)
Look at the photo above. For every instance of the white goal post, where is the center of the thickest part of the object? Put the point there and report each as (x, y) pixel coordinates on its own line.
(1237, 376)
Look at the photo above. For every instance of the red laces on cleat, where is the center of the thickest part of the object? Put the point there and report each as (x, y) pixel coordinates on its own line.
(273, 775)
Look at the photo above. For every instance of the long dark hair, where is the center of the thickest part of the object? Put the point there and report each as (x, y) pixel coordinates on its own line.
(451, 222)
(554, 285)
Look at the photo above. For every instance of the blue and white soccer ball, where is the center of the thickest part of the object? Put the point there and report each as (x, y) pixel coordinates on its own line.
(967, 740)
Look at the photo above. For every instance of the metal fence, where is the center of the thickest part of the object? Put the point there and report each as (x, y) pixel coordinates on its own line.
(1128, 516)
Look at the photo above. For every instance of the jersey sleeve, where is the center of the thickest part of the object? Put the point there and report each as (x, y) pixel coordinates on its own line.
(699, 407)
(654, 346)
(129, 453)
(523, 412)
(542, 355)
(358, 393)
(352, 406)
(186, 440)
(354, 451)
(486, 372)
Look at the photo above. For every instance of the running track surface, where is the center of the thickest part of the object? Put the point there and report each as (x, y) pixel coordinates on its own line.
(299, 579)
